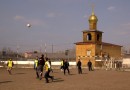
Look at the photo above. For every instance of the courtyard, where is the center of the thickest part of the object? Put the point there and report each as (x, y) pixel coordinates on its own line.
(25, 79)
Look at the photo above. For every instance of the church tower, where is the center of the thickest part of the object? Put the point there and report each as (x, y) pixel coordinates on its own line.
(92, 48)
(92, 40)
(92, 35)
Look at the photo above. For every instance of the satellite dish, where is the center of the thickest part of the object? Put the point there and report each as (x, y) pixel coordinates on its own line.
(29, 25)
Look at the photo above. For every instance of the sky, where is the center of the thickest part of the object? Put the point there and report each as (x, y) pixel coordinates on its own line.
(58, 24)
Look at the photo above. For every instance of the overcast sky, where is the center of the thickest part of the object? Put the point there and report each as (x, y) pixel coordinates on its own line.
(60, 22)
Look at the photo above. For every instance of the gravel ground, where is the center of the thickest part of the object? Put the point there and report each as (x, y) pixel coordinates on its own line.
(25, 79)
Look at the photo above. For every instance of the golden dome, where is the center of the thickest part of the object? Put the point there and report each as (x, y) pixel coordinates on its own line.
(93, 18)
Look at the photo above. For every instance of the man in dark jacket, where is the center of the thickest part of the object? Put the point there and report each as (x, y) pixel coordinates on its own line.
(89, 65)
(79, 64)
(66, 66)
(41, 63)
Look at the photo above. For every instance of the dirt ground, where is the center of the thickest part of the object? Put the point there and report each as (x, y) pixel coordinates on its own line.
(25, 79)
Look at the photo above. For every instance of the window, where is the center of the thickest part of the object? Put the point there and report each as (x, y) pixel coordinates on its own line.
(89, 37)
(98, 36)
(88, 52)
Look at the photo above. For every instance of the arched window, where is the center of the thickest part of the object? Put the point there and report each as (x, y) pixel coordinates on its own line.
(89, 37)
(98, 37)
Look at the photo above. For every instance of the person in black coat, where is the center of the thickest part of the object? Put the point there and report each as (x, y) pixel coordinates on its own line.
(89, 65)
(41, 63)
(66, 66)
(79, 64)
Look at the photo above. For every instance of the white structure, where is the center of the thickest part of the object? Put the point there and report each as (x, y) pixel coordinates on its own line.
(30, 63)
(126, 63)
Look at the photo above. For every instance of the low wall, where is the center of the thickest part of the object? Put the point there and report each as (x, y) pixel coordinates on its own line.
(30, 64)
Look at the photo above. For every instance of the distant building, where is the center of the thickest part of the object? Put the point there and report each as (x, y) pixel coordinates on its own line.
(32, 55)
(28, 54)
(92, 48)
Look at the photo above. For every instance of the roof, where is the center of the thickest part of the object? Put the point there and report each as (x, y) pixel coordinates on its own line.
(92, 31)
(85, 43)
(103, 43)
(110, 44)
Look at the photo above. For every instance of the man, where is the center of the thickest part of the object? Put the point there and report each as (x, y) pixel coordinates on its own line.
(36, 66)
(10, 64)
(89, 65)
(47, 71)
(50, 64)
(66, 66)
(36, 63)
(62, 66)
(41, 63)
(79, 64)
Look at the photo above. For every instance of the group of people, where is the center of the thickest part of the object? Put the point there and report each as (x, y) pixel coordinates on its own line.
(45, 63)
(79, 65)
(65, 66)
(41, 63)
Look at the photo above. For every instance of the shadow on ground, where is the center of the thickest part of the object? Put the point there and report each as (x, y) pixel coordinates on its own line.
(5, 82)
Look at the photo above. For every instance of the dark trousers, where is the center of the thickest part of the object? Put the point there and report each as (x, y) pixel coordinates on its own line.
(67, 70)
(90, 68)
(47, 75)
(79, 70)
(39, 71)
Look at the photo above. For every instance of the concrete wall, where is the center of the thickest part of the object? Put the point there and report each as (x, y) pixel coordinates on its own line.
(81, 53)
(30, 64)
(113, 51)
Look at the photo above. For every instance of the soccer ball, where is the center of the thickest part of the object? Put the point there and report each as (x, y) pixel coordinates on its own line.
(28, 25)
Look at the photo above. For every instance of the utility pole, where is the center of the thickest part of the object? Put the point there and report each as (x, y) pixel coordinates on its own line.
(17, 51)
(17, 54)
(41, 47)
(45, 51)
(52, 50)
(67, 54)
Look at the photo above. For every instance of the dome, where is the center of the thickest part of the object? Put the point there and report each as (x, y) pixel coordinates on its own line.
(93, 18)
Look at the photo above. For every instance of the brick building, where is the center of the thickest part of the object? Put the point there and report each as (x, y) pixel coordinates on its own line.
(92, 48)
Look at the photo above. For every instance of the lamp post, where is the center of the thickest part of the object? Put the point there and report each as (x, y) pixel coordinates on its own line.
(101, 51)
(17, 51)
(67, 53)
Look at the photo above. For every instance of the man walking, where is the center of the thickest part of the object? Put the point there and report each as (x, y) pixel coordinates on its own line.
(89, 65)
(36, 66)
(47, 71)
(62, 65)
(79, 64)
(41, 63)
(66, 66)
(10, 64)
